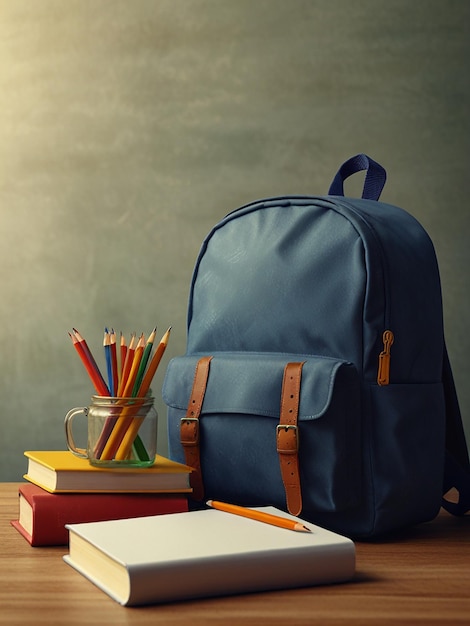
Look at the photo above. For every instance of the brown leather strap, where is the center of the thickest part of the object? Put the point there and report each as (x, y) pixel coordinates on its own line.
(189, 427)
(287, 437)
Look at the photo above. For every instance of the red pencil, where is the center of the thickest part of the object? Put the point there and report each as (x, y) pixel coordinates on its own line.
(132, 426)
(127, 364)
(123, 356)
(89, 362)
(121, 425)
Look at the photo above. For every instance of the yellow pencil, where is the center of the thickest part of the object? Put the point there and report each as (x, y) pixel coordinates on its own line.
(260, 516)
(132, 428)
(125, 418)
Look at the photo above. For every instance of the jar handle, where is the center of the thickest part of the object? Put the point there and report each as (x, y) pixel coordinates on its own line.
(71, 445)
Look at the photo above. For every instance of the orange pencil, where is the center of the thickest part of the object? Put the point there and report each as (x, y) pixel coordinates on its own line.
(154, 363)
(139, 350)
(260, 516)
(127, 365)
(89, 363)
(133, 427)
(125, 419)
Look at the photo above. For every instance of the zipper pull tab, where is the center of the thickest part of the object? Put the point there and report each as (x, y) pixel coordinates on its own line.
(383, 374)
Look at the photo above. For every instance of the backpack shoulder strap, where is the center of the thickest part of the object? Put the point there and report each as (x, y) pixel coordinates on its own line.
(457, 465)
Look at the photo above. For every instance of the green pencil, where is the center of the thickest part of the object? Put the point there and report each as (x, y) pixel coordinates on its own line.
(143, 362)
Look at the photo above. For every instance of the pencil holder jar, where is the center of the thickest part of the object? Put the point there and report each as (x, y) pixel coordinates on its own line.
(122, 432)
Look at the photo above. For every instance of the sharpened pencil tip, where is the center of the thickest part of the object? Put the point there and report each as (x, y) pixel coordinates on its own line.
(302, 528)
(152, 335)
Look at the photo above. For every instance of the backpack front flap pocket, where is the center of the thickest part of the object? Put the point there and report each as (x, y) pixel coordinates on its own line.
(240, 440)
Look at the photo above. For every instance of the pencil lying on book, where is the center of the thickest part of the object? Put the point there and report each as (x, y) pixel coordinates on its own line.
(260, 516)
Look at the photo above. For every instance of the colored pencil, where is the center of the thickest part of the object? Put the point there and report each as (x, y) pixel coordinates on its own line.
(129, 383)
(114, 365)
(260, 516)
(133, 427)
(132, 378)
(104, 434)
(123, 353)
(122, 423)
(153, 365)
(107, 355)
(127, 365)
(89, 362)
(143, 363)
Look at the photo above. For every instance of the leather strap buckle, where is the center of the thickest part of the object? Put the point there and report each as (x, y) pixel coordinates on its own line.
(189, 431)
(189, 426)
(287, 438)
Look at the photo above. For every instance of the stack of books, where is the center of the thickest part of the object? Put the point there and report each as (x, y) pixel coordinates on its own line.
(65, 489)
(131, 533)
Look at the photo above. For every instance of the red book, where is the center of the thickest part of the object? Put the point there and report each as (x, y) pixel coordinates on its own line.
(43, 515)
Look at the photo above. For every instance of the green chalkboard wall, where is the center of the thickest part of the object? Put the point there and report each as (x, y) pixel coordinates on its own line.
(128, 128)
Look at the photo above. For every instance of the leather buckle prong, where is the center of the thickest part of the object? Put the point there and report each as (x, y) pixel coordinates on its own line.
(287, 438)
(189, 431)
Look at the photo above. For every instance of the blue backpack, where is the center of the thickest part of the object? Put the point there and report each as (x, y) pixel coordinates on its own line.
(316, 377)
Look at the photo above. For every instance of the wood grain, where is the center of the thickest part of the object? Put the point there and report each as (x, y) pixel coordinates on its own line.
(421, 576)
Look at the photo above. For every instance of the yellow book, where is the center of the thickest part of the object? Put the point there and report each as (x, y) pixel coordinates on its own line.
(59, 471)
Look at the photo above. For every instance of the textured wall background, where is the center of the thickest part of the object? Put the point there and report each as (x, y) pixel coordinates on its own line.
(127, 129)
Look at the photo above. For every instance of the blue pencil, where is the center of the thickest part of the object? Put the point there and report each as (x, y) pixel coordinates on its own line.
(109, 362)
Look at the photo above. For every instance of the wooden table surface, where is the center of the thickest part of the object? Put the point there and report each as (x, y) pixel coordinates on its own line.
(422, 576)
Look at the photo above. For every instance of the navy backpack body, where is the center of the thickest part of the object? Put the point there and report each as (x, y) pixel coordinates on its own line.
(316, 377)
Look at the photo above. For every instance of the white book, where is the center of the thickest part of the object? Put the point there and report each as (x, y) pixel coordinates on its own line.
(178, 556)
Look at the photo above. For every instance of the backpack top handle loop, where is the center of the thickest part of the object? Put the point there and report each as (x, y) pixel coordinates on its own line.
(374, 181)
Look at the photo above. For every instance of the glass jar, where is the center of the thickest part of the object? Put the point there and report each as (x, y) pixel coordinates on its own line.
(121, 431)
